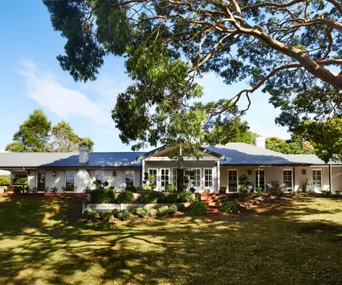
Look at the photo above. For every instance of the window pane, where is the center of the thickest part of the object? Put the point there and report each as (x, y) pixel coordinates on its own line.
(70, 179)
(287, 177)
(196, 182)
(164, 177)
(153, 172)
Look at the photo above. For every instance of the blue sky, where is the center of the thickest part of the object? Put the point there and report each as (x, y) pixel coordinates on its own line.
(32, 78)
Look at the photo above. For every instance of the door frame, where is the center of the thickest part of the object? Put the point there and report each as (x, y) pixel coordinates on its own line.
(198, 188)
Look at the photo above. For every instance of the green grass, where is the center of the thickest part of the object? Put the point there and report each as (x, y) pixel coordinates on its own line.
(42, 242)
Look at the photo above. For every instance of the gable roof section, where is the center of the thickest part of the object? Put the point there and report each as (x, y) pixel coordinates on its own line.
(51, 160)
(246, 154)
(165, 148)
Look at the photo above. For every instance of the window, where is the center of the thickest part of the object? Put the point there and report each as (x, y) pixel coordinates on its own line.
(99, 175)
(153, 172)
(41, 181)
(70, 180)
(317, 179)
(196, 181)
(129, 178)
(208, 177)
(287, 177)
(164, 177)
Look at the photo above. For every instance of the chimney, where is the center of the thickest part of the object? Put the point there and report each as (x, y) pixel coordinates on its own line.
(259, 142)
(84, 154)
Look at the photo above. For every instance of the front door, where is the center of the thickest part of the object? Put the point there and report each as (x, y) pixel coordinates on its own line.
(196, 181)
(41, 181)
(260, 178)
(232, 181)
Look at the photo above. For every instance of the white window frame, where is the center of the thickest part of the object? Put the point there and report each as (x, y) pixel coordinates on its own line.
(313, 185)
(160, 171)
(198, 180)
(155, 176)
(212, 178)
(102, 174)
(65, 176)
(237, 180)
(130, 172)
(287, 169)
(256, 181)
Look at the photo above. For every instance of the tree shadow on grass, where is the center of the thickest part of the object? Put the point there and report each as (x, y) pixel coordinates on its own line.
(55, 248)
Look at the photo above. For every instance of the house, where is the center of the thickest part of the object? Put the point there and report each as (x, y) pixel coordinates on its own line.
(218, 168)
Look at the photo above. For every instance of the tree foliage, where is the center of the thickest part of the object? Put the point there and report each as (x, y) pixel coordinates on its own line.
(4, 180)
(294, 146)
(291, 49)
(36, 135)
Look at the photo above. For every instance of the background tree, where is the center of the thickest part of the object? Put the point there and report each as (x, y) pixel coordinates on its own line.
(290, 48)
(293, 146)
(36, 135)
(33, 134)
(63, 139)
(4, 180)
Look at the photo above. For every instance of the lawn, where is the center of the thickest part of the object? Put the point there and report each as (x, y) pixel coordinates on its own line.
(295, 242)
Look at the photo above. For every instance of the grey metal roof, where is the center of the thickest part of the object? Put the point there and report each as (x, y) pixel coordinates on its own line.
(96, 159)
(246, 154)
(310, 158)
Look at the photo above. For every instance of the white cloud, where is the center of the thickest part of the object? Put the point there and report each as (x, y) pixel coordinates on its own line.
(43, 87)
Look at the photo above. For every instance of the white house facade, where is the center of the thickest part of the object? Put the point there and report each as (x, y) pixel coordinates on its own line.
(217, 169)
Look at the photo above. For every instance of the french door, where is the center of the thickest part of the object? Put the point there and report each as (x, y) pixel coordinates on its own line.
(260, 178)
(232, 181)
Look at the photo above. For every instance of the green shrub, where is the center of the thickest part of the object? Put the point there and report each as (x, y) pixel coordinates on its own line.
(124, 215)
(222, 190)
(140, 188)
(91, 214)
(153, 212)
(186, 197)
(133, 210)
(87, 190)
(230, 207)
(131, 188)
(150, 197)
(173, 209)
(102, 196)
(143, 212)
(115, 213)
(107, 216)
(170, 198)
(192, 190)
(125, 197)
(259, 190)
(198, 209)
(181, 207)
(170, 188)
(163, 211)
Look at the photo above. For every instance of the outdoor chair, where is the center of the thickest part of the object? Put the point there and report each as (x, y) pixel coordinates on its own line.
(121, 187)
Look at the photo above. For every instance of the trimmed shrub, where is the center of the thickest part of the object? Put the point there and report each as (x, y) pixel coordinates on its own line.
(230, 207)
(170, 188)
(181, 207)
(91, 214)
(143, 212)
(140, 188)
(124, 215)
(198, 209)
(173, 209)
(131, 188)
(115, 213)
(163, 211)
(186, 197)
(102, 196)
(171, 198)
(153, 212)
(107, 216)
(125, 197)
(133, 210)
(150, 197)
